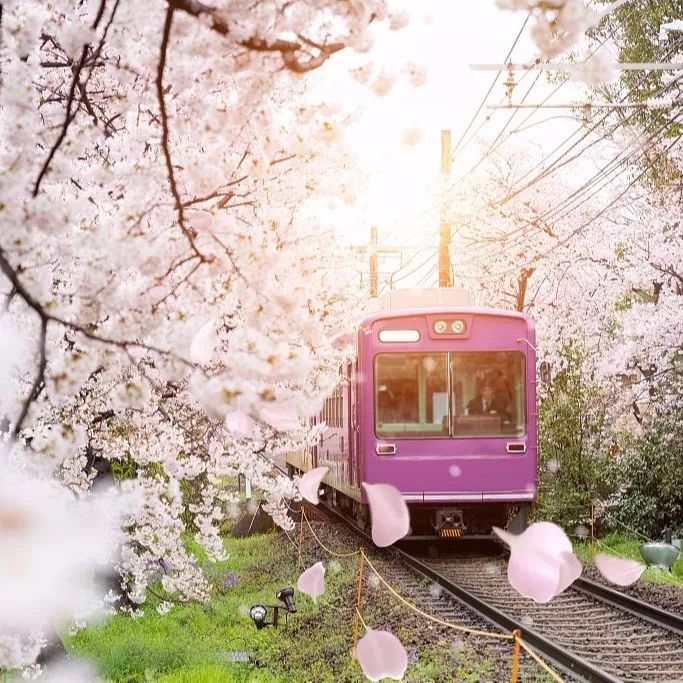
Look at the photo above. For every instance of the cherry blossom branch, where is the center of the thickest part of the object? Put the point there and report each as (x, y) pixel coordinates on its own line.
(76, 84)
(287, 48)
(180, 209)
(68, 118)
(20, 290)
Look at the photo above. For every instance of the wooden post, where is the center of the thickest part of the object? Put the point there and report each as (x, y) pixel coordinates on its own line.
(514, 675)
(445, 227)
(592, 525)
(359, 595)
(301, 536)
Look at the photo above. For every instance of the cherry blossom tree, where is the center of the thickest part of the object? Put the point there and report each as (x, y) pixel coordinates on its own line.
(171, 310)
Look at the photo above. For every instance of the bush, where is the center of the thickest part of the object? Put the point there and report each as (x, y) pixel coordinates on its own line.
(574, 443)
(648, 477)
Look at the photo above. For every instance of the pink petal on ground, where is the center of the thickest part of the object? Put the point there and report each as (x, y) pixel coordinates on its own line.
(309, 484)
(381, 655)
(280, 417)
(617, 570)
(312, 581)
(240, 424)
(389, 513)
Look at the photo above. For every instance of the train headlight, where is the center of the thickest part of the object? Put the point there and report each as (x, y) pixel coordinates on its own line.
(458, 327)
(440, 326)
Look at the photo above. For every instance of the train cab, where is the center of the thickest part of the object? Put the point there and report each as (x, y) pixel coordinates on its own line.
(439, 401)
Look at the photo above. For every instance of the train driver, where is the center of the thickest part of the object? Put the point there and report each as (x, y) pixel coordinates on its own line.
(489, 402)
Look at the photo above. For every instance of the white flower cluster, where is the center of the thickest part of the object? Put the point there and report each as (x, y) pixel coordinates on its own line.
(558, 24)
(160, 280)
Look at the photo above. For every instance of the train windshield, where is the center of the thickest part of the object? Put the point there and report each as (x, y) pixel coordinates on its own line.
(456, 394)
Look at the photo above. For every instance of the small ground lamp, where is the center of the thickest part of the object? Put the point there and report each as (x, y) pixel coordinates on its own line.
(259, 613)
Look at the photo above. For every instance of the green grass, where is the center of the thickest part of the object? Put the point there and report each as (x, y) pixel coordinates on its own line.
(626, 546)
(194, 643)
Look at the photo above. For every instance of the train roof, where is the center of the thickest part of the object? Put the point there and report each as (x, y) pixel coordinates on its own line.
(445, 310)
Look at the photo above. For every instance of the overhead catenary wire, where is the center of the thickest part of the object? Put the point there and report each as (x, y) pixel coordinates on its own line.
(492, 146)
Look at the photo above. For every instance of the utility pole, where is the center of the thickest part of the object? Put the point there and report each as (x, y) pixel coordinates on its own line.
(445, 227)
(373, 262)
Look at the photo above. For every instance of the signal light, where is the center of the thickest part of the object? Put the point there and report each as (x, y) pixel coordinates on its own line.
(440, 326)
(458, 327)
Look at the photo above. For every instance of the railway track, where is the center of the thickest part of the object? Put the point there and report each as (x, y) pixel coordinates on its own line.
(589, 632)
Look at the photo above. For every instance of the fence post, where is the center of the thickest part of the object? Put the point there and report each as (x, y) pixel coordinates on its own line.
(514, 675)
(592, 525)
(359, 592)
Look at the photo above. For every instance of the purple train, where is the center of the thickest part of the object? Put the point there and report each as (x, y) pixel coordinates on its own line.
(440, 401)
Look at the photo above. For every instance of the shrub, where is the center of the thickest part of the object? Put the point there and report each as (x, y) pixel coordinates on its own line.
(574, 443)
(648, 477)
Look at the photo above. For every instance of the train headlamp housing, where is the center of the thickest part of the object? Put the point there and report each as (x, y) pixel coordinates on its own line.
(458, 326)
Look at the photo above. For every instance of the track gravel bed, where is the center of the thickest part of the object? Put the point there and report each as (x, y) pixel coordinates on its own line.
(426, 595)
(623, 645)
(666, 596)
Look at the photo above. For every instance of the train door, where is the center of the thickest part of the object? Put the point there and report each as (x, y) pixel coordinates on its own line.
(354, 427)
(314, 448)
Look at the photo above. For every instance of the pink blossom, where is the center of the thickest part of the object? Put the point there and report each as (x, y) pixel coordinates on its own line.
(239, 423)
(280, 417)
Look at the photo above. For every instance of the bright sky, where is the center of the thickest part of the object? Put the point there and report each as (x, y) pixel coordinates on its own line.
(445, 37)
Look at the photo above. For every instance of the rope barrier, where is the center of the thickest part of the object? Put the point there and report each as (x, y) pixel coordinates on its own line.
(457, 627)
(362, 621)
(322, 545)
(515, 636)
(553, 674)
(301, 541)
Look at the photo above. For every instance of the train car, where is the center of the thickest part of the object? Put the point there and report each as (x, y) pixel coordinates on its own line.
(440, 401)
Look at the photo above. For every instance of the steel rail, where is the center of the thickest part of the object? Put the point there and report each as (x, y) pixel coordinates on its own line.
(626, 603)
(564, 660)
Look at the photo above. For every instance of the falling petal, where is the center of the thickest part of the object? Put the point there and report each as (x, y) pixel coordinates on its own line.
(240, 424)
(280, 417)
(381, 655)
(389, 513)
(617, 570)
(534, 575)
(202, 220)
(454, 471)
(542, 563)
(312, 581)
(309, 484)
(570, 570)
(204, 343)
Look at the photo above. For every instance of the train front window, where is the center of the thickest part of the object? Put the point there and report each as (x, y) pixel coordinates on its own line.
(457, 394)
(411, 394)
